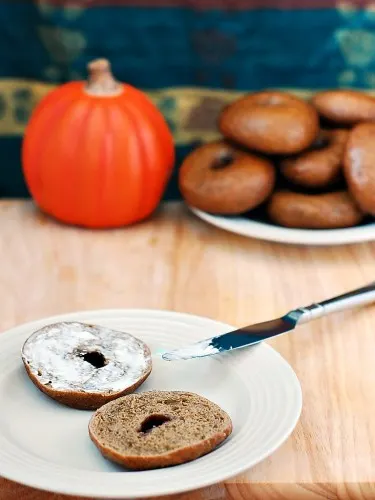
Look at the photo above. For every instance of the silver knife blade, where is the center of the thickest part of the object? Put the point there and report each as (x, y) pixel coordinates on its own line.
(242, 337)
(253, 334)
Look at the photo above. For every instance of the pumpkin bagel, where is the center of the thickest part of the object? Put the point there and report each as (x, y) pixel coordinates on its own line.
(270, 122)
(223, 179)
(320, 165)
(359, 166)
(314, 211)
(155, 429)
(345, 107)
(84, 366)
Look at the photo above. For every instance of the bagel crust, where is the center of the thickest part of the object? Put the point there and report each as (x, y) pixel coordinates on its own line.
(85, 366)
(320, 166)
(270, 122)
(223, 179)
(359, 166)
(157, 429)
(344, 107)
(314, 211)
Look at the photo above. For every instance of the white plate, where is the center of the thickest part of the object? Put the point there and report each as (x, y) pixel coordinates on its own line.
(263, 231)
(46, 445)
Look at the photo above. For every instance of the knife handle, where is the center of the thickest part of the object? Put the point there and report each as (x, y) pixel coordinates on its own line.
(359, 297)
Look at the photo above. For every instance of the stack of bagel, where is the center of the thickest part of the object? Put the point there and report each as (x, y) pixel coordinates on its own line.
(307, 162)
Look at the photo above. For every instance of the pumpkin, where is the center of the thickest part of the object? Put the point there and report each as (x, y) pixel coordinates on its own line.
(98, 153)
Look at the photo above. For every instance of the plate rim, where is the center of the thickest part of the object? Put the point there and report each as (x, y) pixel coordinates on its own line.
(158, 312)
(290, 236)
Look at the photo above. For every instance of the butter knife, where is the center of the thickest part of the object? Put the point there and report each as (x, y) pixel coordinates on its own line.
(250, 335)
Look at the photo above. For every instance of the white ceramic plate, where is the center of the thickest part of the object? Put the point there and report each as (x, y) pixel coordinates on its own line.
(46, 445)
(263, 231)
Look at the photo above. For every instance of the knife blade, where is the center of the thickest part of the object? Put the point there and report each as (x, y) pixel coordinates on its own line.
(242, 337)
(253, 334)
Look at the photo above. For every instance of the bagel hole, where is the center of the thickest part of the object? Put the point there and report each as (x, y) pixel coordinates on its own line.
(153, 421)
(223, 161)
(95, 358)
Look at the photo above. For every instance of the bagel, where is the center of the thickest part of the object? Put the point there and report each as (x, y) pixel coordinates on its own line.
(359, 166)
(84, 366)
(222, 179)
(344, 107)
(314, 211)
(270, 122)
(319, 166)
(157, 429)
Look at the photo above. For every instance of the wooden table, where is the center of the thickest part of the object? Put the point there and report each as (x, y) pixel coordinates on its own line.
(177, 262)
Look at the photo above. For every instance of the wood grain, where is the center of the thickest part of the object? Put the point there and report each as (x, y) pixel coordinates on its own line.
(177, 262)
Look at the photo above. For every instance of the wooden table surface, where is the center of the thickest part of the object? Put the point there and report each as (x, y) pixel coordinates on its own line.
(174, 261)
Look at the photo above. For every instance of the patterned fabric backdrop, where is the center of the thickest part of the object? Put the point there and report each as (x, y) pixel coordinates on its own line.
(191, 56)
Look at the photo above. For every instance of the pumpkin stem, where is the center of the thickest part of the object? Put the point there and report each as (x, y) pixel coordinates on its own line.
(101, 81)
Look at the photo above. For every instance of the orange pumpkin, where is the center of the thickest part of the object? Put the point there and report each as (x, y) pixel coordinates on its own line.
(97, 154)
